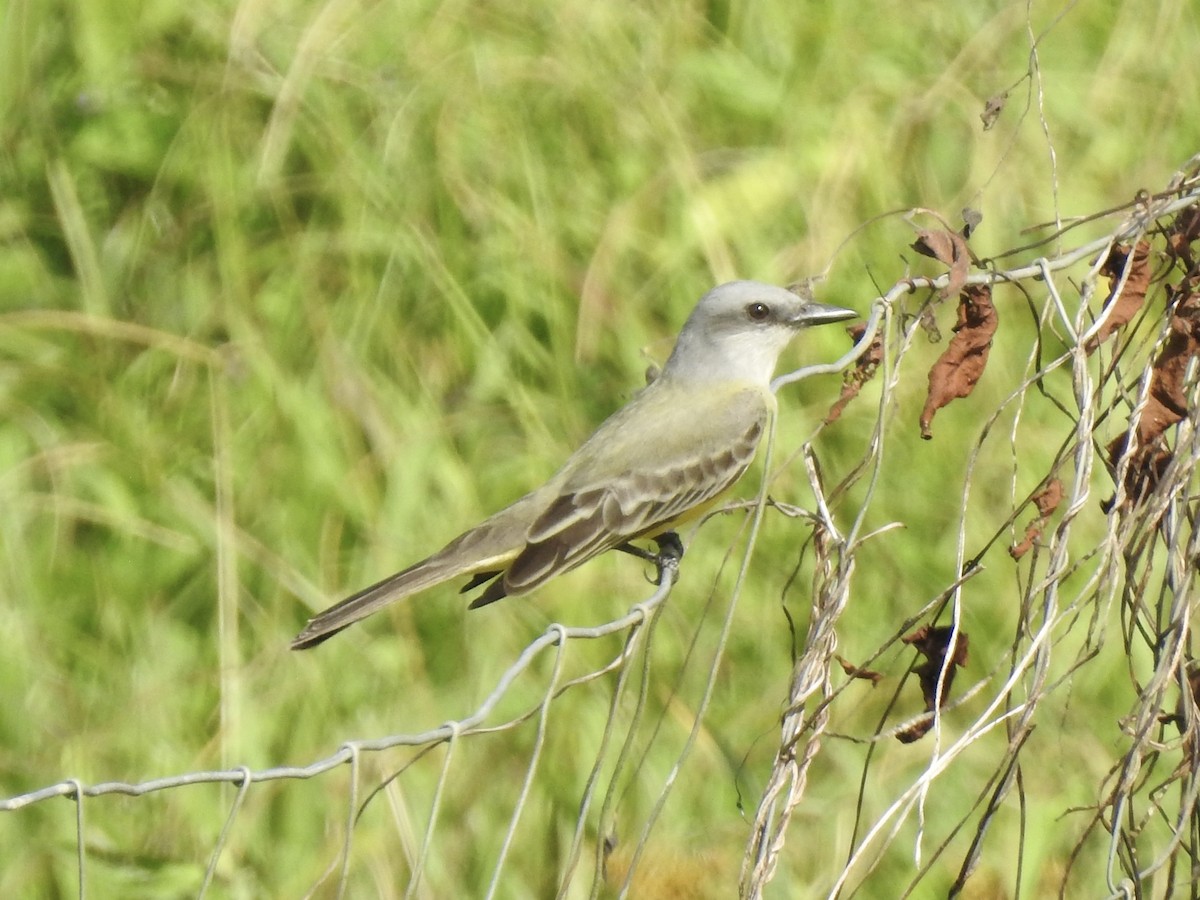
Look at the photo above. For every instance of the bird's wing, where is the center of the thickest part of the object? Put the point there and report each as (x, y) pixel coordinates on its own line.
(621, 493)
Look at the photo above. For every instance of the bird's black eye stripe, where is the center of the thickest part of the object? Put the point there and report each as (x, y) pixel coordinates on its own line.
(758, 312)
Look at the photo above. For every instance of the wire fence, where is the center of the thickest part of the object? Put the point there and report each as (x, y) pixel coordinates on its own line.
(1113, 352)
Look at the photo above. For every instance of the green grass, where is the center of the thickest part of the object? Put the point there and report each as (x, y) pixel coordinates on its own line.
(291, 293)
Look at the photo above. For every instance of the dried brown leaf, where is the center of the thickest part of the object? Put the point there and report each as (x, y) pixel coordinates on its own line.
(1168, 386)
(950, 248)
(959, 368)
(1133, 293)
(1033, 531)
(1046, 500)
(933, 642)
(864, 370)
(1167, 401)
(857, 671)
(1144, 472)
(1184, 232)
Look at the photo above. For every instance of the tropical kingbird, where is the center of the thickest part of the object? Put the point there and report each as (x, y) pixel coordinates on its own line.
(663, 458)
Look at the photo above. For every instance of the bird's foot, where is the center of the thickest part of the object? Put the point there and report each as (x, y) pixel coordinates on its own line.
(669, 546)
(670, 551)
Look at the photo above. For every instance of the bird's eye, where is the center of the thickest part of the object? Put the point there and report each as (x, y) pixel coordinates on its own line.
(759, 312)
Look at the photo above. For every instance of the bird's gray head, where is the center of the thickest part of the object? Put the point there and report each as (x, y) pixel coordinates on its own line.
(738, 329)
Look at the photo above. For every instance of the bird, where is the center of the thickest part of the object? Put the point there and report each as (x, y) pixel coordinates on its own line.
(662, 459)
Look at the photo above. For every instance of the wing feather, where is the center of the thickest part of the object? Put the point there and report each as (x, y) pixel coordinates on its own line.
(580, 524)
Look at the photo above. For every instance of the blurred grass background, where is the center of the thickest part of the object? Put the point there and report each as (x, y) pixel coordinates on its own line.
(292, 292)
